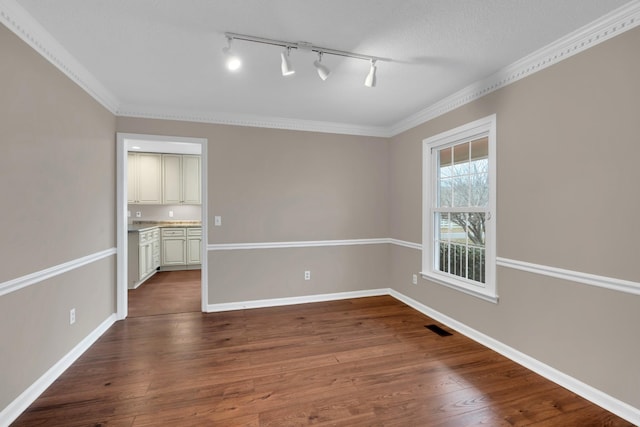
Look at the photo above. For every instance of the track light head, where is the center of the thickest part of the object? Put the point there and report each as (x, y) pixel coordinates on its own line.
(370, 80)
(232, 61)
(285, 65)
(323, 70)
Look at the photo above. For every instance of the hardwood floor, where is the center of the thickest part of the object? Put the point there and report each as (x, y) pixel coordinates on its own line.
(167, 292)
(358, 362)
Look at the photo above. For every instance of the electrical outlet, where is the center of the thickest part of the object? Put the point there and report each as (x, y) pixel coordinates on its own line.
(128, 214)
(170, 214)
(217, 221)
(415, 279)
(307, 275)
(72, 316)
(138, 214)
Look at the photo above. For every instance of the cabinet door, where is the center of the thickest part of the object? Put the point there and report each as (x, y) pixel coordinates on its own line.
(174, 251)
(193, 250)
(155, 249)
(191, 179)
(143, 261)
(172, 179)
(149, 178)
(150, 266)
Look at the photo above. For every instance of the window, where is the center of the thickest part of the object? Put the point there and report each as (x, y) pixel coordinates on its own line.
(459, 208)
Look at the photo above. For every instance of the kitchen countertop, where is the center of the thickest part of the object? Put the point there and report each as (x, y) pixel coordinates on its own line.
(147, 225)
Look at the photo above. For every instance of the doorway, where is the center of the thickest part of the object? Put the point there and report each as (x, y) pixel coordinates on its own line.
(126, 143)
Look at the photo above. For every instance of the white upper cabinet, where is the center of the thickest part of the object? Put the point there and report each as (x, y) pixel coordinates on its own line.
(172, 179)
(191, 179)
(144, 182)
(169, 179)
(181, 179)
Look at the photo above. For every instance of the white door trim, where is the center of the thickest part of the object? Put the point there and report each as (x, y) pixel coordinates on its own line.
(122, 140)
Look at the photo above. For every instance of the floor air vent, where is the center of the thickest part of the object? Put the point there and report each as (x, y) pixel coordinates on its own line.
(438, 330)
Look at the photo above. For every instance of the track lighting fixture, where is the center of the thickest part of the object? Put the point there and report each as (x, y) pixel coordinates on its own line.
(323, 70)
(370, 80)
(285, 65)
(233, 62)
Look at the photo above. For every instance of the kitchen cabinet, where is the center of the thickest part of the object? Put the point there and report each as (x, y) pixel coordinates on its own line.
(174, 246)
(194, 240)
(144, 180)
(181, 179)
(143, 255)
(181, 248)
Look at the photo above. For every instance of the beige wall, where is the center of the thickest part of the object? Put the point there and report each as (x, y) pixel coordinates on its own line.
(257, 274)
(567, 148)
(272, 185)
(58, 189)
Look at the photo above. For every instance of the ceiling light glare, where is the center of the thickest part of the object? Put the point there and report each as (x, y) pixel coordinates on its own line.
(370, 80)
(232, 61)
(323, 71)
(287, 68)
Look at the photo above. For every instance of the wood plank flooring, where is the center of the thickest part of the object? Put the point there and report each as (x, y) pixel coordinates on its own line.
(357, 362)
(166, 292)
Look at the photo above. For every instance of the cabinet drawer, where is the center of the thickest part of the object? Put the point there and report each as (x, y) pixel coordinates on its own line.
(191, 232)
(148, 236)
(173, 232)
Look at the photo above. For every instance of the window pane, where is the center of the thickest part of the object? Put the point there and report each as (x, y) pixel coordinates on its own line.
(460, 242)
(445, 192)
(480, 148)
(457, 231)
(445, 162)
(461, 159)
(461, 186)
(479, 190)
(476, 228)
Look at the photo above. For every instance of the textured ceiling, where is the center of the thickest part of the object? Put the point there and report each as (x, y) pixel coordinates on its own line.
(162, 57)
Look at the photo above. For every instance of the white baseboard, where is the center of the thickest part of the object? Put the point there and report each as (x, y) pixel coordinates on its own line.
(590, 393)
(276, 302)
(22, 402)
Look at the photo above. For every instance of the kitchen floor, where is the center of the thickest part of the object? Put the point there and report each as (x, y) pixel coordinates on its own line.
(167, 292)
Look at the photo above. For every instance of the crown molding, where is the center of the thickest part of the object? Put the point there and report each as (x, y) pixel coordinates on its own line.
(254, 121)
(20, 22)
(604, 28)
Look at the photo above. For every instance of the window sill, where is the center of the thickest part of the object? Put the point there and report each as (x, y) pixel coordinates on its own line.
(459, 286)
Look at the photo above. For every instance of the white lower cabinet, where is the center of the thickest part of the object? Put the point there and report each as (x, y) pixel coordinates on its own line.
(174, 246)
(181, 248)
(194, 240)
(143, 255)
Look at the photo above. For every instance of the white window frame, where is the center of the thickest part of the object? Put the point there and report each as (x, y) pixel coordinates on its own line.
(468, 132)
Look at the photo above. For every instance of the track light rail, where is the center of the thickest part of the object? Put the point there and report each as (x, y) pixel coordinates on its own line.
(303, 46)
